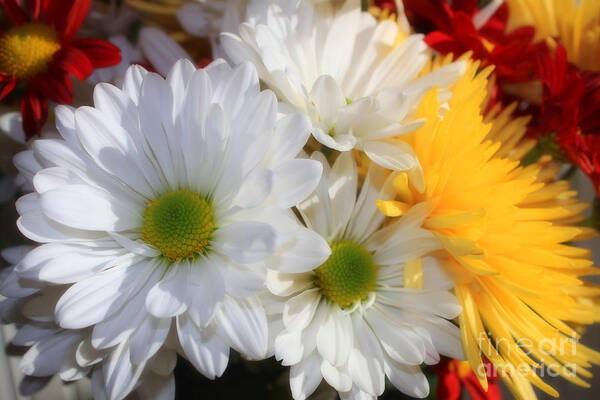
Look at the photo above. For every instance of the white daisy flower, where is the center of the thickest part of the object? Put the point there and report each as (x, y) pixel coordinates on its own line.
(150, 208)
(351, 320)
(356, 78)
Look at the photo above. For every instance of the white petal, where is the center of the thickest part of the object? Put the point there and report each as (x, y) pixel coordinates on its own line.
(178, 78)
(365, 363)
(15, 254)
(27, 164)
(245, 241)
(120, 376)
(206, 289)
(290, 136)
(92, 300)
(148, 338)
(243, 324)
(397, 156)
(209, 354)
(342, 191)
(427, 302)
(284, 284)
(168, 297)
(401, 343)
(407, 378)
(157, 126)
(255, 189)
(299, 310)
(28, 335)
(243, 280)
(85, 207)
(339, 142)
(328, 99)
(12, 286)
(162, 51)
(112, 148)
(339, 380)
(305, 377)
(305, 251)
(123, 323)
(335, 338)
(132, 84)
(45, 357)
(76, 263)
(288, 347)
(294, 180)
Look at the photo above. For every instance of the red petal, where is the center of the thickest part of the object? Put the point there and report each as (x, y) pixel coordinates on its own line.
(468, 6)
(477, 393)
(6, 86)
(440, 15)
(76, 62)
(13, 11)
(34, 7)
(203, 62)
(100, 52)
(74, 19)
(496, 26)
(444, 43)
(56, 87)
(448, 387)
(34, 110)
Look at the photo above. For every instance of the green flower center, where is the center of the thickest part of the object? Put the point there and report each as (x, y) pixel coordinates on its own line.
(348, 275)
(179, 224)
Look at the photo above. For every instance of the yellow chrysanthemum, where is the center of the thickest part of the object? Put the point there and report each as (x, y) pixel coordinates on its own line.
(505, 229)
(576, 25)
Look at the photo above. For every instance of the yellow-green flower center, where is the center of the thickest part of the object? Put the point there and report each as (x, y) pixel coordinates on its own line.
(179, 224)
(27, 49)
(348, 275)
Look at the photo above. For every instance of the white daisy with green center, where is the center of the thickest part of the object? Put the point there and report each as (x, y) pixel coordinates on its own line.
(359, 80)
(351, 320)
(153, 209)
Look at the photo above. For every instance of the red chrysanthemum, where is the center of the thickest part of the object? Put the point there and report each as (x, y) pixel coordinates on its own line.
(571, 111)
(454, 376)
(462, 27)
(39, 48)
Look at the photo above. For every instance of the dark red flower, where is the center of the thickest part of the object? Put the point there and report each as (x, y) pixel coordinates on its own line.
(461, 27)
(39, 48)
(570, 111)
(455, 376)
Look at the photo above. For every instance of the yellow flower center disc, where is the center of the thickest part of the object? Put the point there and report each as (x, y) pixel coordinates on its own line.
(26, 50)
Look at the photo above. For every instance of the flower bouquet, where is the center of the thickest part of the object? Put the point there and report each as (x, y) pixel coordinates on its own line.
(301, 197)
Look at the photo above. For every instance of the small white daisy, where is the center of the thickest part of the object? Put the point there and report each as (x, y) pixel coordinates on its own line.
(151, 209)
(209, 18)
(351, 320)
(358, 79)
